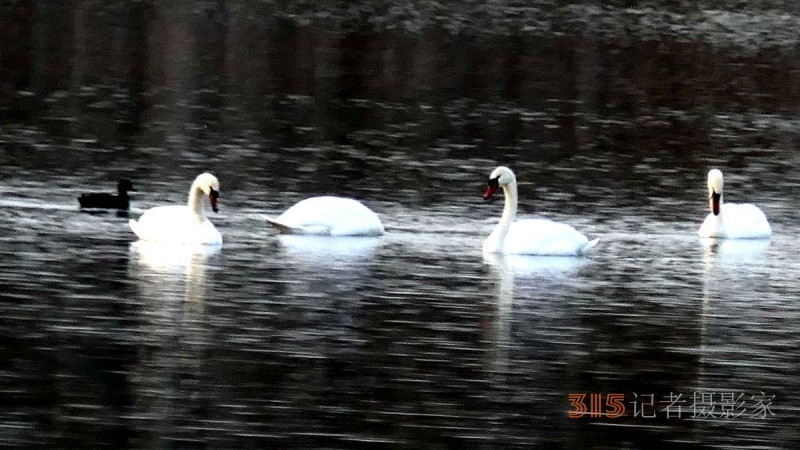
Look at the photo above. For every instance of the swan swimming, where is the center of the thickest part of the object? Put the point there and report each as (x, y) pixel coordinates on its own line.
(528, 236)
(327, 215)
(182, 223)
(731, 220)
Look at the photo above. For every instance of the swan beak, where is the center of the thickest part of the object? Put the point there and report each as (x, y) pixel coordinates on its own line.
(212, 197)
(491, 188)
(714, 200)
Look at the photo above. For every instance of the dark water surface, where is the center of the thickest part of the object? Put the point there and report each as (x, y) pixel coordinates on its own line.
(414, 339)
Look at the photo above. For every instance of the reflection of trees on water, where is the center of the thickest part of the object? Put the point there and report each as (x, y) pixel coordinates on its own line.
(175, 75)
(353, 103)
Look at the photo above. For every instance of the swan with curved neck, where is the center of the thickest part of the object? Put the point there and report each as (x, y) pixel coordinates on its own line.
(204, 184)
(731, 220)
(528, 236)
(183, 224)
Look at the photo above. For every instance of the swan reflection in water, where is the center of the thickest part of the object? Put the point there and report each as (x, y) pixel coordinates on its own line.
(535, 266)
(735, 251)
(327, 250)
(328, 269)
(542, 271)
(172, 283)
(162, 268)
(728, 264)
(330, 286)
(314, 253)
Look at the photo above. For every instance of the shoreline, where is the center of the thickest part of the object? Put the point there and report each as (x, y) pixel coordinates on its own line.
(751, 29)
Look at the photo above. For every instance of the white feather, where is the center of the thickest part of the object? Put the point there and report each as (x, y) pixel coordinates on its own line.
(181, 223)
(530, 236)
(734, 221)
(334, 216)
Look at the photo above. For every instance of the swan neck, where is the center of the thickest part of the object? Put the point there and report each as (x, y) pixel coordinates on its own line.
(510, 208)
(196, 203)
(509, 214)
(496, 240)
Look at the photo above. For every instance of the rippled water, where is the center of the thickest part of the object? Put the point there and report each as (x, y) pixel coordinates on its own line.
(414, 339)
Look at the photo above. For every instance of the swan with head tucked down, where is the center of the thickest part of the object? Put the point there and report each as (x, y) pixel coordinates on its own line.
(182, 224)
(330, 216)
(528, 236)
(731, 220)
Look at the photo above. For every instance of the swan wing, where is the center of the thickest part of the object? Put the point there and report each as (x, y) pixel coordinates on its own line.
(174, 224)
(736, 221)
(745, 221)
(336, 216)
(286, 228)
(545, 237)
(710, 227)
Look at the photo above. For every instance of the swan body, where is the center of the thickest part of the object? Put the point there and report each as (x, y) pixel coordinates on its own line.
(529, 236)
(538, 237)
(731, 220)
(326, 215)
(182, 224)
(109, 201)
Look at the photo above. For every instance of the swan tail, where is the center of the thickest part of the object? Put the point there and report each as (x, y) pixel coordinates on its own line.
(589, 245)
(282, 227)
(134, 225)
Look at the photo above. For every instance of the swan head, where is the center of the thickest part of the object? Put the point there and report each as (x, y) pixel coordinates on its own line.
(500, 177)
(125, 185)
(210, 186)
(715, 184)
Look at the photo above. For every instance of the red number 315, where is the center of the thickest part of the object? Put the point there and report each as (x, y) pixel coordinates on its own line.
(614, 405)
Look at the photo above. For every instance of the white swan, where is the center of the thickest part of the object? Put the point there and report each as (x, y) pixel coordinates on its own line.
(333, 216)
(529, 236)
(182, 224)
(731, 220)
